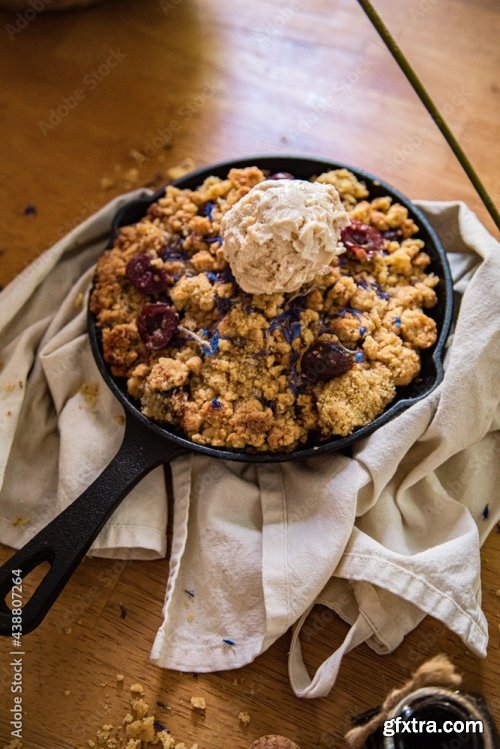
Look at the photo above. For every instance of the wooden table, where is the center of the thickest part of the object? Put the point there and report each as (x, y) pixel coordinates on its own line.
(97, 101)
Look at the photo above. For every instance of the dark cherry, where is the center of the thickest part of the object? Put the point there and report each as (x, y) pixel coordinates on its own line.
(362, 240)
(157, 324)
(144, 276)
(324, 360)
(281, 175)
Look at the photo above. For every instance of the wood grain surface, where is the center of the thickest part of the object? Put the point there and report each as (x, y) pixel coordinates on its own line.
(98, 101)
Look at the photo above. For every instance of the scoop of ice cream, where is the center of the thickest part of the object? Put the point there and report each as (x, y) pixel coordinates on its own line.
(282, 234)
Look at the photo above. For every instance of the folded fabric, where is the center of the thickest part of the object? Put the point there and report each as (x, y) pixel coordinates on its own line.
(60, 424)
(379, 537)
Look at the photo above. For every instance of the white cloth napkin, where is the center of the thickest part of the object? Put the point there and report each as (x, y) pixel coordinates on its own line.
(60, 425)
(381, 538)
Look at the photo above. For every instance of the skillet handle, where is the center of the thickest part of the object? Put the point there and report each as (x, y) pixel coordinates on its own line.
(65, 541)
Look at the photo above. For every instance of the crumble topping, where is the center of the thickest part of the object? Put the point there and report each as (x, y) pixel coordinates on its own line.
(263, 372)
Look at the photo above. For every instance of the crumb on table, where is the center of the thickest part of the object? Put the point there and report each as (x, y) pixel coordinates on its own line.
(137, 730)
(198, 703)
(137, 689)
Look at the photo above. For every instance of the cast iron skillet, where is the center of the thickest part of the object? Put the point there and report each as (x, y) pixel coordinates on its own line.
(146, 444)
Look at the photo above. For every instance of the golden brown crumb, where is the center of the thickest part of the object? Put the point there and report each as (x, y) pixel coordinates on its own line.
(179, 171)
(133, 744)
(165, 740)
(90, 391)
(107, 183)
(137, 689)
(132, 175)
(244, 718)
(418, 329)
(104, 733)
(198, 703)
(20, 521)
(354, 399)
(136, 155)
(120, 678)
(142, 729)
(167, 374)
(140, 707)
(349, 188)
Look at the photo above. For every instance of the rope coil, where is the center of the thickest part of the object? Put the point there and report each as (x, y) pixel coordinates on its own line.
(438, 671)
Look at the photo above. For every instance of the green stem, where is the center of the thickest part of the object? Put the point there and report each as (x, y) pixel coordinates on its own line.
(426, 100)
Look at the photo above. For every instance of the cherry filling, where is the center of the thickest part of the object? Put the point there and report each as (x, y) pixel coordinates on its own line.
(144, 276)
(324, 360)
(362, 240)
(157, 324)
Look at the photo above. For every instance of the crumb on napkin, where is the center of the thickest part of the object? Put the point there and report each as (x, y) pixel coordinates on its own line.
(19, 521)
(90, 391)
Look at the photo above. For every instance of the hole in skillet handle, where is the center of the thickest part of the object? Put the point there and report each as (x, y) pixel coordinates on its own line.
(303, 167)
(12, 578)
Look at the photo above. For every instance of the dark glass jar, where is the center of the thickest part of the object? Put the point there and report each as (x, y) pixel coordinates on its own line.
(446, 712)
(438, 718)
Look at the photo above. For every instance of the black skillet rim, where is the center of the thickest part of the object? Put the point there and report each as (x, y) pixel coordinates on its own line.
(291, 164)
